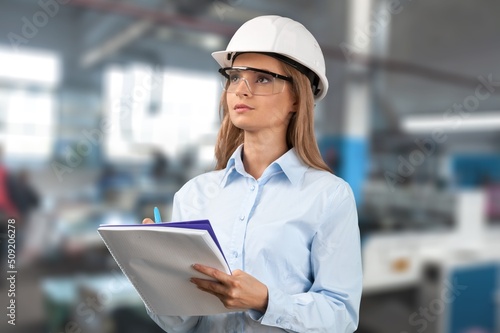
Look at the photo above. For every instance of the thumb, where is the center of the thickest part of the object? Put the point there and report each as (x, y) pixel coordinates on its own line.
(147, 221)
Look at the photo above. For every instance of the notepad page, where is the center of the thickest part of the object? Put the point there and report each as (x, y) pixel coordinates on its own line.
(158, 263)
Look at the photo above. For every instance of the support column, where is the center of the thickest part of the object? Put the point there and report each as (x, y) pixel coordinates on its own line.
(354, 148)
(367, 31)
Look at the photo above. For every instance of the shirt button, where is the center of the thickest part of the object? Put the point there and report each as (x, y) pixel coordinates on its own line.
(252, 187)
(235, 254)
(242, 217)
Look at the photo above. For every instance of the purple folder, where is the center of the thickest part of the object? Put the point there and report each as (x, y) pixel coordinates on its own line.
(198, 224)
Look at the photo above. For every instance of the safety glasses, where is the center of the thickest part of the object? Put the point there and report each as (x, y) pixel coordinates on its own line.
(258, 81)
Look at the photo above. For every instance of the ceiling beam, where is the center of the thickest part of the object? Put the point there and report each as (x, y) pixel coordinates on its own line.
(202, 25)
(157, 16)
(147, 19)
(405, 68)
(114, 44)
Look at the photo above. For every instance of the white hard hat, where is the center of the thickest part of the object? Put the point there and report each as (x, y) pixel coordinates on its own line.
(284, 39)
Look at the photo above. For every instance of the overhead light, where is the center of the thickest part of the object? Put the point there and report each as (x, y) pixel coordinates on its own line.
(207, 41)
(211, 42)
(472, 122)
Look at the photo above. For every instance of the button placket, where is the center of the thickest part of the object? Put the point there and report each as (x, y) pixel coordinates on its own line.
(239, 229)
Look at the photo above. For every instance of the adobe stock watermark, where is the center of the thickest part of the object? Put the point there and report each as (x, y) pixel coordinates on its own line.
(73, 157)
(199, 200)
(89, 308)
(222, 7)
(379, 20)
(453, 116)
(431, 311)
(31, 25)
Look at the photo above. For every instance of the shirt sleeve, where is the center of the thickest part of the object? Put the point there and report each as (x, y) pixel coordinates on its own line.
(173, 324)
(332, 303)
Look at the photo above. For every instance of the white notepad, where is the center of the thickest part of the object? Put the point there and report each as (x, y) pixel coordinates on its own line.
(158, 262)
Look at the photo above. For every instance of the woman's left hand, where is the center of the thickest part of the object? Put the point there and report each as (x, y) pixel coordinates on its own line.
(237, 291)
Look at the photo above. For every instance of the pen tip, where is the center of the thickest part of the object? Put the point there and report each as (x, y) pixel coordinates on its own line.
(157, 215)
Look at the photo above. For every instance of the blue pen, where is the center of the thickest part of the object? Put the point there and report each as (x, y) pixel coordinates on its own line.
(157, 215)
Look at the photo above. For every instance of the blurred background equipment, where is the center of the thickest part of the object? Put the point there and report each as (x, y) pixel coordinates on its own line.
(107, 107)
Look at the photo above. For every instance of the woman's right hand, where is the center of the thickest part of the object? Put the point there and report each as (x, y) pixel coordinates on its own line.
(147, 220)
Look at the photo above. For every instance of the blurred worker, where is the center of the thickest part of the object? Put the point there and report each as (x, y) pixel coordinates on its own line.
(25, 196)
(8, 208)
(288, 226)
(159, 169)
(26, 199)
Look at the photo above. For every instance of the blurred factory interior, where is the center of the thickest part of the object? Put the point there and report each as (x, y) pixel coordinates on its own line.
(108, 106)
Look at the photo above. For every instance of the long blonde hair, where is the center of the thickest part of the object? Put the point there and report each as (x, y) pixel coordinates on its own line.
(300, 133)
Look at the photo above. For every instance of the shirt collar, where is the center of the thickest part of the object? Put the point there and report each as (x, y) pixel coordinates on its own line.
(290, 163)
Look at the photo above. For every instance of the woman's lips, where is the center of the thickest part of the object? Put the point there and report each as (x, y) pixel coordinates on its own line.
(242, 108)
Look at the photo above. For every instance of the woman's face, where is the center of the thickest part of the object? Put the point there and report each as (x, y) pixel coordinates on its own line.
(256, 113)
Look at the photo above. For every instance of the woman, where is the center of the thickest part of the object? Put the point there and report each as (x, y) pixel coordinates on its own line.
(287, 225)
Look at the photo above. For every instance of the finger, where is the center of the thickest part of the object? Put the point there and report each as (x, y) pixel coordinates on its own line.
(212, 272)
(147, 221)
(211, 287)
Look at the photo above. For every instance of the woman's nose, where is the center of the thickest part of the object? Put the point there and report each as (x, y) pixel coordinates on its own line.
(243, 89)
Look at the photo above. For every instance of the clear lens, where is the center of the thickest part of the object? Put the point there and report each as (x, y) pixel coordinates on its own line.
(257, 83)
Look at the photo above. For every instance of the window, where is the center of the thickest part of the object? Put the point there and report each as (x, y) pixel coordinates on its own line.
(167, 108)
(27, 103)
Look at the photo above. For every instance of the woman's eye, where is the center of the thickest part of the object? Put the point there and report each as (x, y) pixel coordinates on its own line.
(263, 79)
(234, 78)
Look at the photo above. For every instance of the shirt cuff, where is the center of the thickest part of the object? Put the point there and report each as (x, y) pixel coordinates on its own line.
(278, 310)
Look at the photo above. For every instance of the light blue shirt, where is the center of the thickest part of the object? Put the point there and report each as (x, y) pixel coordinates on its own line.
(295, 229)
